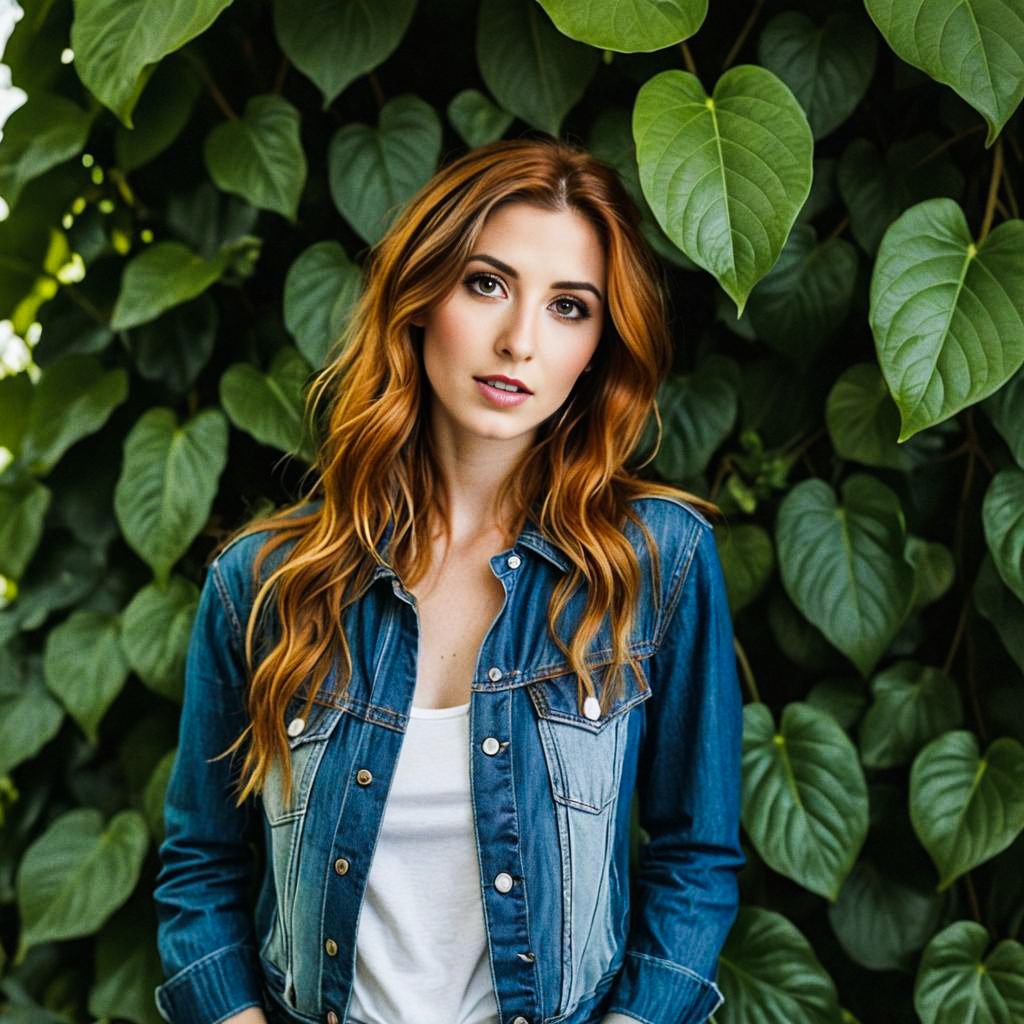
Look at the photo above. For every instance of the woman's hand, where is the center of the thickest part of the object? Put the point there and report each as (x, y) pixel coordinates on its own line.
(250, 1015)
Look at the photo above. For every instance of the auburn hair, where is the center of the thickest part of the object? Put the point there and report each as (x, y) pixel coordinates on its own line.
(374, 467)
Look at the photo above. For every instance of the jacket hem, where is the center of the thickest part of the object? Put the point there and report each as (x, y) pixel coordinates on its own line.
(213, 988)
(657, 991)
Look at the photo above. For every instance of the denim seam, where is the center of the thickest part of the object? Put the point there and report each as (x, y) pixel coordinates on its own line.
(195, 965)
(669, 607)
(228, 606)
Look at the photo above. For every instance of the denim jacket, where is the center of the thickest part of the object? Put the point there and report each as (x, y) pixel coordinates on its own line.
(258, 905)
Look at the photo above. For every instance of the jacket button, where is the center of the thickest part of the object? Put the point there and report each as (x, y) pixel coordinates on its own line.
(341, 866)
(592, 709)
(527, 957)
(364, 777)
(516, 1020)
(331, 947)
(295, 727)
(490, 746)
(503, 882)
(332, 1017)
(514, 561)
(494, 674)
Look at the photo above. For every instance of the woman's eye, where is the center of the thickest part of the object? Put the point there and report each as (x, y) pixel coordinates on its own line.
(571, 309)
(485, 284)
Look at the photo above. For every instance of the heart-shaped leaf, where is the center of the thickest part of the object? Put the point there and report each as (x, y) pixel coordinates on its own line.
(725, 174)
(843, 698)
(934, 569)
(828, 68)
(843, 565)
(912, 705)
(259, 156)
(167, 483)
(966, 808)
(117, 42)
(947, 313)
(336, 41)
(320, 289)
(748, 560)
(476, 118)
(976, 48)
(1006, 411)
(374, 171)
(531, 69)
(177, 345)
(628, 26)
(155, 632)
(1002, 513)
(23, 504)
(29, 716)
(805, 802)
(1000, 606)
(768, 972)
(156, 793)
(956, 982)
(128, 967)
(269, 406)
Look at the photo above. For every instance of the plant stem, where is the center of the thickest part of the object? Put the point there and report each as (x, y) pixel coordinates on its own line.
(744, 32)
(688, 59)
(946, 143)
(993, 188)
(282, 70)
(745, 670)
(378, 92)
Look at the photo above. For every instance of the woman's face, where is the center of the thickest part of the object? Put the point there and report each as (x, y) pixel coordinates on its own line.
(528, 309)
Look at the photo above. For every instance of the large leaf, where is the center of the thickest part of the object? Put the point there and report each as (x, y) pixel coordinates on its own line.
(966, 808)
(16, 391)
(155, 632)
(957, 982)
(725, 174)
(259, 156)
(77, 873)
(531, 69)
(974, 46)
(29, 716)
(827, 67)
(947, 313)
(128, 966)
(477, 118)
(155, 795)
(23, 505)
(336, 41)
(748, 560)
(374, 171)
(913, 704)
(843, 564)
(805, 802)
(320, 289)
(934, 569)
(768, 973)
(176, 346)
(629, 26)
(269, 405)
(880, 920)
(1002, 513)
(1006, 411)
(84, 666)
(167, 483)
(1001, 607)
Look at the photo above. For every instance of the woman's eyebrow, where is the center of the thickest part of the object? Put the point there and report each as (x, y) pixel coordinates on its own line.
(506, 269)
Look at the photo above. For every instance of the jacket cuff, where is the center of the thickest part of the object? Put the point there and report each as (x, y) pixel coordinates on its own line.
(660, 992)
(212, 989)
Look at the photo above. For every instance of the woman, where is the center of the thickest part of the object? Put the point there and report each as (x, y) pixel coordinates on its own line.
(419, 700)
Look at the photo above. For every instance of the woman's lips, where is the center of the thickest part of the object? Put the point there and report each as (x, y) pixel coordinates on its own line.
(499, 397)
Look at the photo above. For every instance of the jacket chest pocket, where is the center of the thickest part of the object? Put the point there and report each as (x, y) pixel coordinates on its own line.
(584, 756)
(307, 743)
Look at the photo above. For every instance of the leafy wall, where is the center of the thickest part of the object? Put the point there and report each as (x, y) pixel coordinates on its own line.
(834, 189)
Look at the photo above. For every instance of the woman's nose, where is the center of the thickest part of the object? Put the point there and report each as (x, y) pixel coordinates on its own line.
(517, 336)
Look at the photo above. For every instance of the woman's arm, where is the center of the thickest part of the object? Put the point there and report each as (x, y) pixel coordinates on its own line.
(689, 793)
(205, 917)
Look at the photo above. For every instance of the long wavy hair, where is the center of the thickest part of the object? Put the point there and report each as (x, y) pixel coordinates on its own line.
(374, 468)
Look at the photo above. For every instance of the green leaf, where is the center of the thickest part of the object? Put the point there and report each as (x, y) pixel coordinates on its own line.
(156, 792)
(628, 26)
(336, 41)
(476, 118)
(16, 391)
(966, 808)
(768, 972)
(805, 802)
(843, 564)
(373, 171)
(531, 69)
(877, 190)
(827, 68)
(947, 314)
(973, 46)
(176, 346)
(128, 967)
(44, 131)
(167, 484)
(167, 274)
(804, 298)
(155, 631)
(842, 698)
(77, 873)
(913, 704)
(1006, 411)
(880, 920)
(698, 411)
(934, 569)
(269, 406)
(29, 716)
(1000, 606)
(117, 42)
(320, 291)
(73, 398)
(725, 175)
(259, 156)
(956, 982)
(1002, 513)
(748, 560)
(23, 506)
(84, 666)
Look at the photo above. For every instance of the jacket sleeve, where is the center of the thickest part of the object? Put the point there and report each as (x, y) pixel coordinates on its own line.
(204, 905)
(688, 785)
